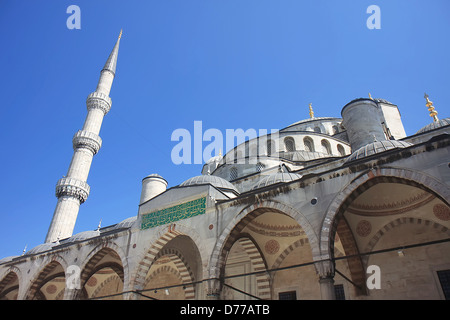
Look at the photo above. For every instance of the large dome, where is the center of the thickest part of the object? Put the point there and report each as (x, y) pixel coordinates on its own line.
(377, 147)
(435, 125)
(274, 178)
(217, 182)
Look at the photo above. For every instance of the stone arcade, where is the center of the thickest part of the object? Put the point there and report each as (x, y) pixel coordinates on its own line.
(323, 201)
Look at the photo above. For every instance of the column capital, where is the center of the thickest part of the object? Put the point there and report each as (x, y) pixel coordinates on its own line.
(325, 269)
(213, 289)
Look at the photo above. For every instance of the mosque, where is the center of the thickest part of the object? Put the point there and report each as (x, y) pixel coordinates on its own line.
(328, 208)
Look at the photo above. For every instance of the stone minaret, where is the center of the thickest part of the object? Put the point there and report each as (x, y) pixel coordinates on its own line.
(72, 190)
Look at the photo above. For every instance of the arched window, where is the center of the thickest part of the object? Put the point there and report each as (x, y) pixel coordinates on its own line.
(289, 144)
(317, 129)
(309, 145)
(233, 173)
(270, 147)
(326, 147)
(341, 150)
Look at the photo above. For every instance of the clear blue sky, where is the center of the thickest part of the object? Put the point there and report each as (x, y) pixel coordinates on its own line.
(231, 64)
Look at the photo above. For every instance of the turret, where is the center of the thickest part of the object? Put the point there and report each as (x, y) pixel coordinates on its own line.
(362, 118)
(152, 185)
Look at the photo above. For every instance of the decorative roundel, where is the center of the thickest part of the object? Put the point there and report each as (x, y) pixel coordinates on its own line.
(363, 228)
(51, 289)
(272, 246)
(92, 281)
(442, 212)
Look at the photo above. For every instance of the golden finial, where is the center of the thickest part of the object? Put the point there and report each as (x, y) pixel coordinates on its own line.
(311, 112)
(220, 152)
(370, 97)
(120, 35)
(433, 112)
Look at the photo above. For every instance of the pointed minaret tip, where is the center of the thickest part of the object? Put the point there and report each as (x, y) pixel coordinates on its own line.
(111, 63)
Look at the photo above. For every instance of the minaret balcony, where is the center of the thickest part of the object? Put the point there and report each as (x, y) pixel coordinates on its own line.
(73, 188)
(98, 100)
(88, 140)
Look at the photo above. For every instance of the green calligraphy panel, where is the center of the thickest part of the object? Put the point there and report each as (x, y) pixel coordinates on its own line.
(182, 211)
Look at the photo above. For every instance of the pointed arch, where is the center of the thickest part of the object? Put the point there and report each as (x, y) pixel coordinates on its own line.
(91, 264)
(363, 182)
(399, 222)
(232, 232)
(8, 282)
(165, 235)
(45, 274)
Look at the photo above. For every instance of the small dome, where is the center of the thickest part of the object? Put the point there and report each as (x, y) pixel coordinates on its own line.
(382, 101)
(126, 223)
(41, 248)
(377, 147)
(435, 125)
(279, 177)
(217, 182)
(7, 259)
(154, 175)
(84, 235)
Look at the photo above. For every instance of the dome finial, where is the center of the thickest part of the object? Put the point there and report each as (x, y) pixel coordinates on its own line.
(311, 112)
(370, 97)
(433, 112)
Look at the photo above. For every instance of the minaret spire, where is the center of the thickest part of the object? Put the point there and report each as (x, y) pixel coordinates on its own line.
(111, 63)
(72, 190)
(311, 112)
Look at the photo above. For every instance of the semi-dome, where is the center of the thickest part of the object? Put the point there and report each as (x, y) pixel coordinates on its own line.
(302, 155)
(279, 177)
(214, 159)
(377, 147)
(212, 164)
(84, 235)
(435, 124)
(217, 182)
